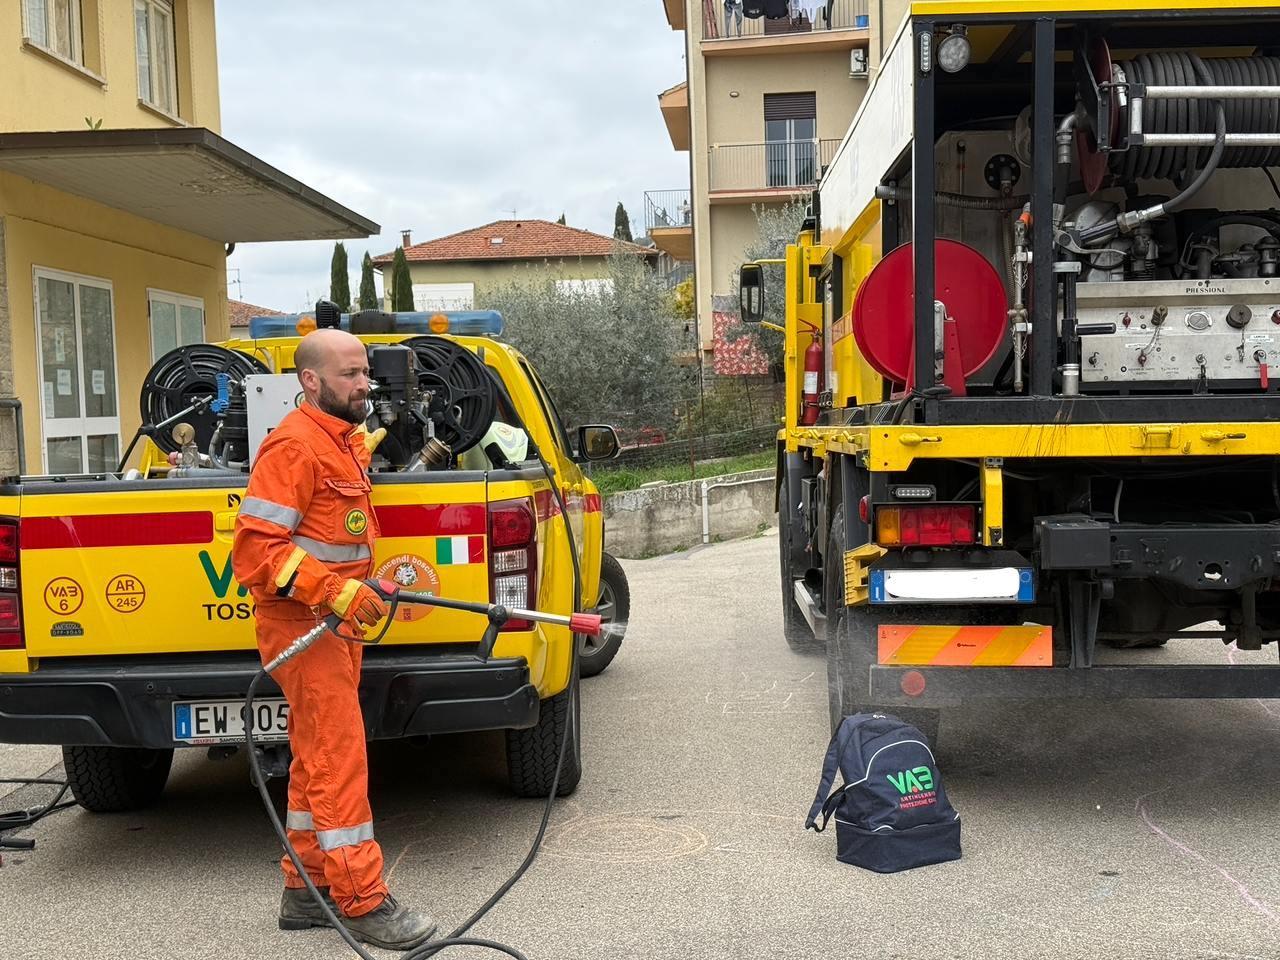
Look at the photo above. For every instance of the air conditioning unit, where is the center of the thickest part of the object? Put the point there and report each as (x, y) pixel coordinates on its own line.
(857, 62)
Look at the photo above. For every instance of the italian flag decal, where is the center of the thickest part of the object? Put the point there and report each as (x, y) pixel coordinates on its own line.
(453, 551)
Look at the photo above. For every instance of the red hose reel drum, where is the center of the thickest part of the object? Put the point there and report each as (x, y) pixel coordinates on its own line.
(884, 311)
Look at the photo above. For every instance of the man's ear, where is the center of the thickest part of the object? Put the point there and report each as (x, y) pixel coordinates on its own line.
(309, 379)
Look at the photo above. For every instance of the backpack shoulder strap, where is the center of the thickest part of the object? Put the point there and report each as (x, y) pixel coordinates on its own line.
(829, 767)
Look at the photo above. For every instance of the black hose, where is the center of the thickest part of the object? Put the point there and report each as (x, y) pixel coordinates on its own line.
(1198, 116)
(1219, 145)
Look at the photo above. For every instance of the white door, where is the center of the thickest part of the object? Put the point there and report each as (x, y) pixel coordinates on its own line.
(80, 412)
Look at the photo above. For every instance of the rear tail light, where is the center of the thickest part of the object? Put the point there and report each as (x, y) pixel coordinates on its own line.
(513, 557)
(10, 595)
(926, 525)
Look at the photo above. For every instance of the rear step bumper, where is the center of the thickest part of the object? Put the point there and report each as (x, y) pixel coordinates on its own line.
(128, 702)
(951, 685)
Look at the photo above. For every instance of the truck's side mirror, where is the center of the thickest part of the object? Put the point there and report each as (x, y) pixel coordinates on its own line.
(598, 441)
(751, 293)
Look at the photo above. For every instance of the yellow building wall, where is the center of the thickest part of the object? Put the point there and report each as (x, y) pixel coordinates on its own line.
(41, 92)
(43, 227)
(487, 276)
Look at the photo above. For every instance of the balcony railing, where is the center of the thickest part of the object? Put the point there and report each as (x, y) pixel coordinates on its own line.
(664, 209)
(779, 165)
(721, 21)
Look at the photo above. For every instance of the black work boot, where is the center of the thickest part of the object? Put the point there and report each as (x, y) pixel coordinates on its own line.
(299, 910)
(391, 926)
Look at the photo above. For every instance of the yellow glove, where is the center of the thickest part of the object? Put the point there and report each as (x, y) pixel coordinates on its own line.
(371, 440)
(358, 601)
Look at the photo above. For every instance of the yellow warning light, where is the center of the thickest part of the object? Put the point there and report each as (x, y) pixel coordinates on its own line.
(306, 323)
(438, 323)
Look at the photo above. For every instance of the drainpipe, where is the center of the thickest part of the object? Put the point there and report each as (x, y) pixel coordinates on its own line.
(14, 404)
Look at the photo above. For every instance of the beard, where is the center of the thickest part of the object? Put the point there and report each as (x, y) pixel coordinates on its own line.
(351, 409)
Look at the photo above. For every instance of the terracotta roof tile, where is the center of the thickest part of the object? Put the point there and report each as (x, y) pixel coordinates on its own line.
(517, 240)
(240, 313)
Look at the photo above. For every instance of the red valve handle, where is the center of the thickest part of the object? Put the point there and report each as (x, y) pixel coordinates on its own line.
(588, 623)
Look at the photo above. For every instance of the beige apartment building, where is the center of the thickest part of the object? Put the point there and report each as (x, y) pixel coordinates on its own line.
(763, 107)
(119, 205)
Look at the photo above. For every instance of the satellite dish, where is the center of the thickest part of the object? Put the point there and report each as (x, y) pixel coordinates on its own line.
(884, 311)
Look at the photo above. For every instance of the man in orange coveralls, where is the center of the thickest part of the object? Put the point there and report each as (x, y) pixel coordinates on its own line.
(303, 545)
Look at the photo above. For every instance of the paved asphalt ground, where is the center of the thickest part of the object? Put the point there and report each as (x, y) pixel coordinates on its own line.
(1091, 830)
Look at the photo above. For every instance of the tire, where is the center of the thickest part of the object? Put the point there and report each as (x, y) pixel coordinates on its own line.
(116, 779)
(614, 607)
(532, 753)
(795, 628)
(851, 650)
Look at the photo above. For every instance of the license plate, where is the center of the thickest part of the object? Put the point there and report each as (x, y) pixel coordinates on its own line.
(222, 721)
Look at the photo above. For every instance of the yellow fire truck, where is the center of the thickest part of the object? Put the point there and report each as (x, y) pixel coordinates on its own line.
(123, 633)
(1030, 327)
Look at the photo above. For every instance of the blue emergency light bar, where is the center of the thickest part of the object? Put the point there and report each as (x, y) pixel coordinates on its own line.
(462, 323)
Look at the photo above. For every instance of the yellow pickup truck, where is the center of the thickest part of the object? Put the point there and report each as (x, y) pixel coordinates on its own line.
(123, 633)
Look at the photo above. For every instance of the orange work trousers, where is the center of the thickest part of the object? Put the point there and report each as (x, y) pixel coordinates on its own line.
(329, 821)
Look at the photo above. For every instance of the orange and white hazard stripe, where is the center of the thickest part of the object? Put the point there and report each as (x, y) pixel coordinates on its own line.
(939, 646)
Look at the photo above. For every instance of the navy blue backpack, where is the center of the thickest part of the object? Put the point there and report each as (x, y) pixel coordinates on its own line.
(891, 811)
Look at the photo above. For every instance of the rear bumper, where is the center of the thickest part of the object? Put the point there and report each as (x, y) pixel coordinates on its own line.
(951, 685)
(1201, 556)
(404, 692)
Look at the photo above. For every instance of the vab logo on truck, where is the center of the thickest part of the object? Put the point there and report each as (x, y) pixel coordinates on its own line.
(220, 582)
(916, 780)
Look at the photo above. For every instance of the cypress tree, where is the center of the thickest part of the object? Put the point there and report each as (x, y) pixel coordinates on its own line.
(621, 224)
(368, 293)
(339, 282)
(401, 288)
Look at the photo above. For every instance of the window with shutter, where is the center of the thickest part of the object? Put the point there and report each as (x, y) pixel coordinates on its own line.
(790, 133)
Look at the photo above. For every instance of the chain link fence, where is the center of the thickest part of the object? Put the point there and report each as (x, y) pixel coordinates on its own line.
(730, 425)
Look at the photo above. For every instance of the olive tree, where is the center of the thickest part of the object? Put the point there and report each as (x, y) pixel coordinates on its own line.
(776, 227)
(605, 349)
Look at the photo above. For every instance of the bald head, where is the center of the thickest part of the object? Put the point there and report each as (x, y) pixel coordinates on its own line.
(334, 371)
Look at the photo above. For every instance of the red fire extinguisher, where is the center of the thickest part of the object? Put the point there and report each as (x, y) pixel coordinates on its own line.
(812, 380)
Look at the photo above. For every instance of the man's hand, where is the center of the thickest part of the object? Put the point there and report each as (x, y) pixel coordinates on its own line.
(359, 602)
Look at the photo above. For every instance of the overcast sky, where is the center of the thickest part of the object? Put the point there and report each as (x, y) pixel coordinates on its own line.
(439, 117)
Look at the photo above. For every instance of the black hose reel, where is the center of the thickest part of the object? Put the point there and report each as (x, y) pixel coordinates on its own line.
(185, 377)
(463, 400)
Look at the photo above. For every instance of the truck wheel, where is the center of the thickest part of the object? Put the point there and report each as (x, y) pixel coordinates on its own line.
(795, 628)
(851, 650)
(116, 779)
(614, 607)
(532, 753)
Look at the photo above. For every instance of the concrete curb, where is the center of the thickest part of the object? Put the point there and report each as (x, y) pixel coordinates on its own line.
(666, 517)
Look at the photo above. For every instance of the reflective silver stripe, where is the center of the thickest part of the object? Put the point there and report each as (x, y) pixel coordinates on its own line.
(344, 836)
(333, 552)
(299, 820)
(276, 513)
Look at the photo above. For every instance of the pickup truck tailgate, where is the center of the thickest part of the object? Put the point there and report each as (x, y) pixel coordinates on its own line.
(145, 567)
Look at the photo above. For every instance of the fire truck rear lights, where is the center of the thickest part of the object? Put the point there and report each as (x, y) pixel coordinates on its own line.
(8, 543)
(932, 525)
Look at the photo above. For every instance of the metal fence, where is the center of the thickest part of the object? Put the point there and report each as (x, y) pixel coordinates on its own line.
(723, 21)
(664, 209)
(765, 166)
(732, 419)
